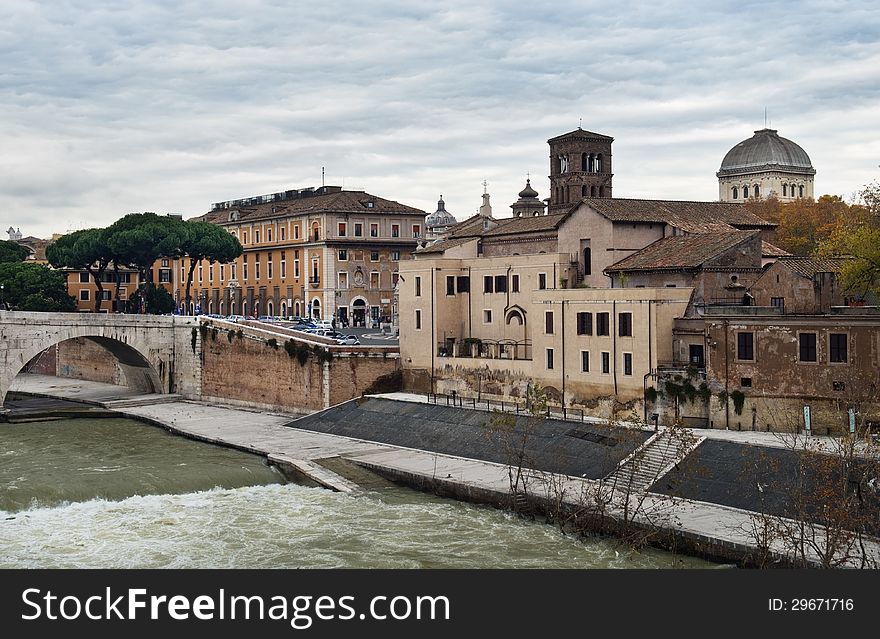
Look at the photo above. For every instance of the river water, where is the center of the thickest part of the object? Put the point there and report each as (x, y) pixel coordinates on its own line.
(115, 493)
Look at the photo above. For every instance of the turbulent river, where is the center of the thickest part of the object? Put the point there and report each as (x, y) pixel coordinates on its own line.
(115, 493)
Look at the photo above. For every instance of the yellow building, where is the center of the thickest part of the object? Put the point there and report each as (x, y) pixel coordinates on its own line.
(492, 326)
(324, 252)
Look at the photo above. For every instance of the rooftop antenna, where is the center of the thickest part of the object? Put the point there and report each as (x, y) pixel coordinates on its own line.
(485, 186)
(765, 117)
(580, 123)
(322, 176)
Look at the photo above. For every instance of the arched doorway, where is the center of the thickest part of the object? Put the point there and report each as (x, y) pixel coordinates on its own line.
(316, 308)
(359, 312)
(283, 310)
(270, 307)
(296, 309)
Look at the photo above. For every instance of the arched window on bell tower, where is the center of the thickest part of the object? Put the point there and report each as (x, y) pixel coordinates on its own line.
(599, 163)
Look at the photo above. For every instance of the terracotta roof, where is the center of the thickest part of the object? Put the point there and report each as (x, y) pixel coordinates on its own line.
(771, 250)
(681, 251)
(693, 217)
(581, 133)
(809, 266)
(441, 245)
(471, 227)
(339, 202)
(516, 225)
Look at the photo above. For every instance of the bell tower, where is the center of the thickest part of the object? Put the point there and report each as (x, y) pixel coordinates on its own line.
(580, 166)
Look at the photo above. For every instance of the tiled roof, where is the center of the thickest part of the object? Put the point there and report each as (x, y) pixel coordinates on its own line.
(515, 225)
(809, 266)
(692, 217)
(339, 202)
(771, 250)
(581, 133)
(681, 251)
(471, 227)
(442, 245)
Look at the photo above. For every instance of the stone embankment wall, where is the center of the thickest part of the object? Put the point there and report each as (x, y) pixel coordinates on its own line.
(251, 369)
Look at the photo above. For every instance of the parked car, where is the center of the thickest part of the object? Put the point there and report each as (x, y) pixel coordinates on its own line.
(325, 324)
(348, 340)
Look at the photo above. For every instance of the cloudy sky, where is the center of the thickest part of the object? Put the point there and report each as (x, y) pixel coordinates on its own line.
(111, 107)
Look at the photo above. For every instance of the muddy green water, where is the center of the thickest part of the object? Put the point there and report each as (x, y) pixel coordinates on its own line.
(118, 493)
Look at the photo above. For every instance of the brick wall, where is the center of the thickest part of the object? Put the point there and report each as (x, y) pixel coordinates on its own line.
(248, 371)
(82, 358)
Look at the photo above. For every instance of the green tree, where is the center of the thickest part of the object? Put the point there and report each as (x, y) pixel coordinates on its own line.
(34, 287)
(151, 299)
(12, 252)
(205, 241)
(139, 239)
(83, 250)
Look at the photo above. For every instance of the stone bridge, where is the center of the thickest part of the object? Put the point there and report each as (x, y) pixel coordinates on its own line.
(156, 354)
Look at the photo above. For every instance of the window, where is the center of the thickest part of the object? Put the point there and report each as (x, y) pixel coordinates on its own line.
(801, 191)
(735, 193)
(450, 285)
(165, 275)
(283, 266)
(418, 286)
(778, 302)
(343, 280)
(374, 279)
(374, 230)
(463, 284)
(585, 361)
(757, 191)
(745, 382)
(417, 230)
(542, 281)
(588, 261)
(233, 268)
(342, 229)
(745, 346)
(807, 343)
(358, 229)
(201, 272)
(548, 322)
(296, 267)
(550, 359)
(488, 284)
(785, 190)
(256, 236)
(602, 324)
(84, 295)
(296, 231)
(269, 266)
(223, 271)
(745, 193)
(584, 323)
(84, 277)
(627, 363)
(343, 255)
(838, 347)
(395, 230)
(395, 256)
(606, 362)
(500, 283)
(269, 236)
(283, 233)
(625, 324)
(374, 256)
(244, 237)
(487, 316)
(164, 263)
(418, 320)
(514, 283)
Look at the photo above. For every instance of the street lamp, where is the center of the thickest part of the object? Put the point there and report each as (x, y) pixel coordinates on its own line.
(2, 298)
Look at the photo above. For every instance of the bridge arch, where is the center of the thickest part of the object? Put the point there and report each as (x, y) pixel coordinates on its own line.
(154, 354)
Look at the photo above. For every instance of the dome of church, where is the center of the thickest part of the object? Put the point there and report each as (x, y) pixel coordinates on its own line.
(766, 149)
(441, 217)
(528, 192)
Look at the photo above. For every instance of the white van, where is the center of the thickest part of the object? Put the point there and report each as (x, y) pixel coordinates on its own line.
(324, 324)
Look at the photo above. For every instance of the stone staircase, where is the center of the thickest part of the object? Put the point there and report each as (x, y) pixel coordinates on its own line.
(652, 460)
(142, 400)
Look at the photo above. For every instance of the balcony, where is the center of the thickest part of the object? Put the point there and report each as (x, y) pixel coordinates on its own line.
(485, 349)
(314, 280)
